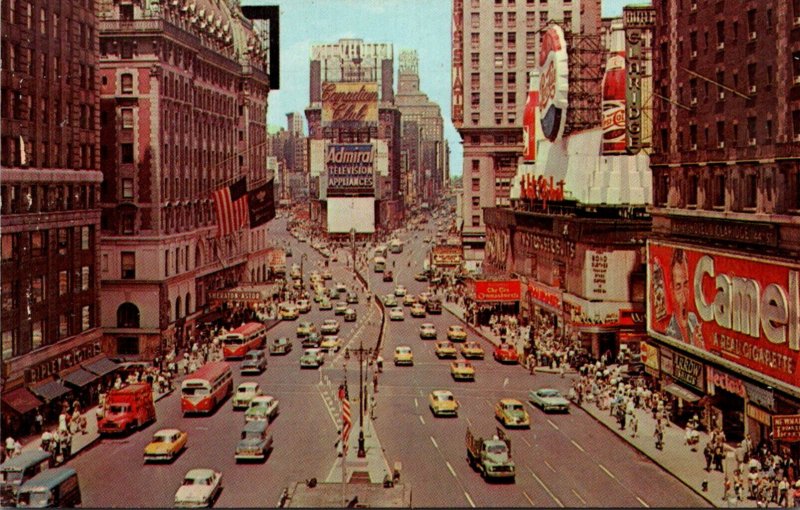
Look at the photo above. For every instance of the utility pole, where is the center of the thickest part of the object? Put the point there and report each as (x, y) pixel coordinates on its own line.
(362, 355)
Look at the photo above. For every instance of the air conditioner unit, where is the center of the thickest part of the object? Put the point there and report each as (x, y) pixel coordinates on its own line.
(752, 89)
(694, 101)
(751, 142)
(797, 79)
(693, 147)
(694, 53)
(721, 46)
(721, 145)
(753, 36)
(721, 94)
(694, 7)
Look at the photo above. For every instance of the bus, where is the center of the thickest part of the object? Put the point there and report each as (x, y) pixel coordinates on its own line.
(242, 339)
(396, 246)
(206, 388)
(379, 264)
(381, 251)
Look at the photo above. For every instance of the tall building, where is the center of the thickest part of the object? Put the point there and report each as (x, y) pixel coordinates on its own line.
(290, 147)
(294, 122)
(354, 138)
(495, 45)
(184, 90)
(50, 217)
(424, 150)
(723, 284)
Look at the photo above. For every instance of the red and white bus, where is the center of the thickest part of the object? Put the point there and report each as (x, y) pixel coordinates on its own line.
(242, 339)
(204, 389)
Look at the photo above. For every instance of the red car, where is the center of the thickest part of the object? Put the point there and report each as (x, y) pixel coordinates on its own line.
(388, 276)
(505, 353)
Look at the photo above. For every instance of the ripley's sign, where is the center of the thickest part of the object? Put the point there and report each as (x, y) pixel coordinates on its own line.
(63, 361)
(744, 310)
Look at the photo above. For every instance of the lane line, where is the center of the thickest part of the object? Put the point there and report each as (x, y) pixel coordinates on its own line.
(528, 498)
(416, 403)
(469, 422)
(452, 471)
(579, 496)
(546, 488)
(421, 419)
(435, 444)
(525, 441)
(551, 467)
(609, 473)
(471, 503)
(579, 447)
(644, 504)
(553, 424)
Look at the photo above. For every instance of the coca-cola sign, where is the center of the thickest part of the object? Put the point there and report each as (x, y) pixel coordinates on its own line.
(553, 83)
(349, 102)
(742, 310)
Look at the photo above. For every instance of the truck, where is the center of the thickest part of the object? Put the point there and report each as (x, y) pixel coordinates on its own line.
(491, 457)
(127, 409)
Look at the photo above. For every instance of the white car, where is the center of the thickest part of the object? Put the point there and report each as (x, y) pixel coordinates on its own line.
(341, 288)
(304, 305)
(427, 330)
(396, 314)
(200, 488)
(246, 392)
(312, 358)
(329, 327)
(400, 291)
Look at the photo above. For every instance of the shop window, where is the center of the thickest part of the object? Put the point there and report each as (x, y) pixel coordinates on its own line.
(86, 317)
(9, 246)
(8, 344)
(127, 316)
(127, 345)
(8, 297)
(63, 326)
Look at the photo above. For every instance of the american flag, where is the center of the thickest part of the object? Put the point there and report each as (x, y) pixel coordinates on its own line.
(347, 422)
(231, 207)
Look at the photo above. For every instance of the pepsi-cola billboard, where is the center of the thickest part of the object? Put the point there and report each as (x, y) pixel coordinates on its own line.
(554, 83)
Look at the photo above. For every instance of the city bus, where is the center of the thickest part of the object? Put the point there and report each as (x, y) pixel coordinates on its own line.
(242, 339)
(396, 246)
(379, 264)
(381, 251)
(206, 388)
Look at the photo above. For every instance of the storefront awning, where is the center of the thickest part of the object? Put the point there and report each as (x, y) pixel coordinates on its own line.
(681, 392)
(101, 367)
(21, 400)
(50, 391)
(80, 378)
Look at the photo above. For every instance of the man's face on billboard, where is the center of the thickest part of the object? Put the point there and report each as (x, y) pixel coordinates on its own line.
(680, 287)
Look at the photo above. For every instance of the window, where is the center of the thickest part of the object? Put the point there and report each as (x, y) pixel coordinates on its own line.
(512, 79)
(751, 21)
(63, 241)
(720, 134)
(86, 317)
(512, 22)
(86, 235)
(63, 326)
(750, 191)
(126, 81)
(475, 60)
(9, 246)
(720, 34)
(498, 59)
(512, 58)
(498, 40)
(475, 20)
(128, 265)
(476, 220)
(476, 184)
(691, 195)
(476, 201)
(127, 118)
(38, 289)
(127, 188)
(512, 98)
(693, 137)
(498, 98)
(126, 153)
(63, 283)
(475, 80)
(8, 344)
(36, 334)
(476, 163)
(498, 19)
(543, 18)
(751, 129)
(127, 316)
(42, 21)
(128, 345)
(85, 274)
(719, 191)
(8, 297)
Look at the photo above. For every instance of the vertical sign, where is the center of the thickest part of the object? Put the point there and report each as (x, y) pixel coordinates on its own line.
(458, 64)
(553, 83)
(614, 94)
(638, 23)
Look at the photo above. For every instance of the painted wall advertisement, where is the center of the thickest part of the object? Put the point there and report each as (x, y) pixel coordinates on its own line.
(349, 102)
(741, 310)
(649, 356)
(499, 291)
(351, 169)
(554, 83)
(606, 274)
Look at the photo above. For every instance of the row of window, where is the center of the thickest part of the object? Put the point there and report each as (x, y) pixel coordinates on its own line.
(26, 198)
(41, 334)
(21, 13)
(17, 244)
(748, 135)
(36, 289)
(17, 152)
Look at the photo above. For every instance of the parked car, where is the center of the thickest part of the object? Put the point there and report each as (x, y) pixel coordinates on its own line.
(200, 488)
(329, 327)
(255, 442)
(396, 314)
(245, 392)
(549, 399)
(312, 358)
(443, 403)
(280, 345)
(262, 407)
(472, 350)
(511, 412)
(462, 370)
(506, 353)
(350, 315)
(403, 355)
(165, 445)
(255, 361)
(427, 330)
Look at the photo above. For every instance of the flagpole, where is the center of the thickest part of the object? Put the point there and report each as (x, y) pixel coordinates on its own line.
(344, 444)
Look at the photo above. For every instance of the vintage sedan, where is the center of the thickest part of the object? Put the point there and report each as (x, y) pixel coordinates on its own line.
(280, 345)
(340, 308)
(445, 349)
(312, 358)
(245, 392)
(288, 311)
(427, 330)
(418, 310)
(456, 333)
(472, 350)
(389, 301)
(255, 442)
(421, 277)
(341, 288)
(506, 353)
(304, 305)
(329, 327)
(262, 407)
(511, 413)
(388, 276)
(409, 300)
(462, 370)
(199, 489)
(443, 403)
(330, 343)
(403, 355)
(423, 297)
(305, 328)
(311, 341)
(326, 275)
(549, 399)
(400, 291)
(350, 315)
(325, 304)
(396, 314)
(166, 445)
(352, 298)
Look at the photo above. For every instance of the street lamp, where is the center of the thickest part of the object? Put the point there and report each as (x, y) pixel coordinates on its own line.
(361, 354)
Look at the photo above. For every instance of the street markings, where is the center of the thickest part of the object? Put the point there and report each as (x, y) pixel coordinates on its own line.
(421, 419)
(471, 503)
(526, 442)
(644, 504)
(528, 498)
(609, 473)
(545, 487)
(452, 471)
(578, 496)
(579, 447)
(435, 444)
(505, 382)
(416, 403)
(553, 424)
(469, 423)
(551, 467)
(201, 428)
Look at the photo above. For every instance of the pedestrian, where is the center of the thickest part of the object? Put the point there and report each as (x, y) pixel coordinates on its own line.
(375, 383)
(719, 455)
(39, 422)
(708, 453)
(783, 493)
(659, 435)
(10, 446)
(634, 425)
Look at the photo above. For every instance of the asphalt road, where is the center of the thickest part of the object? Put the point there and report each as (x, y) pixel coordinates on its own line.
(563, 460)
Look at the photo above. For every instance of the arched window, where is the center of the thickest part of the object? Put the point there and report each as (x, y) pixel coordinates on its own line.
(198, 259)
(127, 316)
(188, 304)
(178, 308)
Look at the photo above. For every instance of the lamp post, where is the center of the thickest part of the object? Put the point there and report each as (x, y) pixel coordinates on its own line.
(361, 354)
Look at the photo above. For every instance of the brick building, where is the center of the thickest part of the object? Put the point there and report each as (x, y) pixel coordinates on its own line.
(50, 216)
(184, 90)
(723, 258)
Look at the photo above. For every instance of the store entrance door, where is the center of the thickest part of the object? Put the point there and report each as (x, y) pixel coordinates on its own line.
(731, 409)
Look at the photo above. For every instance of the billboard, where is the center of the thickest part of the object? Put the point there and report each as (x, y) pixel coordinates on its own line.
(554, 83)
(639, 22)
(614, 85)
(737, 309)
(350, 169)
(529, 124)
(457, 69)
(447, 255)
(499, 291)
(349, 102)
(349, 213)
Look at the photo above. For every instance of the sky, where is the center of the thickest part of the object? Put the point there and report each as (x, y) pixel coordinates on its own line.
(423, 25)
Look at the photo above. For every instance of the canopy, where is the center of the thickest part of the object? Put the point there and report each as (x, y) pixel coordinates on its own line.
(681, 392)
(101, 367)
(80, 378)
(21, 400)
(50, 390)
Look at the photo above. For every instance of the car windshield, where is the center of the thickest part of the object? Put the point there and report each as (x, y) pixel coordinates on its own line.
(34, 499)
(251, 435)
(514, 408)
(445, 398)
(163, 438)
(245, 389)
(197, 481)
(496, 448)
(117, 409)
(548, 393)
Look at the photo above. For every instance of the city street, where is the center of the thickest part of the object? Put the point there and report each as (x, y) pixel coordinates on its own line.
(563, 460)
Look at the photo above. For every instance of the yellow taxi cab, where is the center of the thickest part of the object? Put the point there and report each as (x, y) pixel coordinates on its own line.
(409, 300)
(462, 370)
(456, 333)
(511, 412)
(288, 311)
(166, 445)
(445, 349)
(403, 355)
(472, 350)
(305, 328)
(443, 403)
(418, 310)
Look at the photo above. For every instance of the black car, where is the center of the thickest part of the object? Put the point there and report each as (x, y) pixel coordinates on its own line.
(433, 306)
(312, 341)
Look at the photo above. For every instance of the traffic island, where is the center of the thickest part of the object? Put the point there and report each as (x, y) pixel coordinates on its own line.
(351, 495)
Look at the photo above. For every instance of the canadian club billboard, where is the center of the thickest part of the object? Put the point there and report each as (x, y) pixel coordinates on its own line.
(351, 169)
(349, 102)
(742, 310)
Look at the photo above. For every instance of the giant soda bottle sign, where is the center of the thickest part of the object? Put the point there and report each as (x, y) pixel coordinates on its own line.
(554, 83)
(529, 127)
(614, 84)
